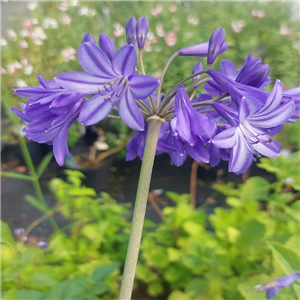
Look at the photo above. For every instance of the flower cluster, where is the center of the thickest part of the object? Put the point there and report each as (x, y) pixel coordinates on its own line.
(210, 115)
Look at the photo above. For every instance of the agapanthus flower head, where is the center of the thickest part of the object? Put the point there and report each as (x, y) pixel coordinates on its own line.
(50, 112)
(215, 45)
(272, 287)
(115, 82)
(142, 28)
(250, 131)
(131, 31)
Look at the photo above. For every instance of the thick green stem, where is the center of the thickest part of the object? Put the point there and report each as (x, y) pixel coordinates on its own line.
(140, 207)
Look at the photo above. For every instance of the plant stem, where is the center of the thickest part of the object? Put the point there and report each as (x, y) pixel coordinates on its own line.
(140, 207)
(35, 179)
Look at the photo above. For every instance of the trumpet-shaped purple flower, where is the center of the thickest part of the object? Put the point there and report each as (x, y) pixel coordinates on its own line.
(252, 73)
(272, 288)
(250, 132)
(112, 83)
(50, 112)
(188, 124)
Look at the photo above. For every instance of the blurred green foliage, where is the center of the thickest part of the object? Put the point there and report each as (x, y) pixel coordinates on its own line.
(189, 255)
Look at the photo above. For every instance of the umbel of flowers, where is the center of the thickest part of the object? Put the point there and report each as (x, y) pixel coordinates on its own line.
(210, 115)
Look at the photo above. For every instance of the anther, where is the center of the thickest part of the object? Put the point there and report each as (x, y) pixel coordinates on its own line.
(271, 140)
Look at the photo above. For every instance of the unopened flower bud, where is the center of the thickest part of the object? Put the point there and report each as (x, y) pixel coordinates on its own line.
(131, 31)
(215, 45)
(142, 29)
(107, 45)
(88, 38)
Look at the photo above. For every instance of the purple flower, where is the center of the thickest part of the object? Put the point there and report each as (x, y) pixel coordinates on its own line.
(19, 231)
(112, 83)
(215, 45)
(294, 95)
(50, 111)
(196, 69)
(187, 123)
(131, 31)
(200, 50)
(107, 45)
(252, 73)
(250, 128)
(142, 28)
(272, 287)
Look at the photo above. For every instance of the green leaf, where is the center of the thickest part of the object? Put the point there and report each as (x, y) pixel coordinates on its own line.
(30, 295)
(288, 259)
(155, 288)
(255, 188)
(66, 290)
(36, 203)
(16, 176)
(293, 243)
(196, 285)
(6, 235)
(10, 295)
(44, 163)
(179, 295)
(251, 234)
(102, 272)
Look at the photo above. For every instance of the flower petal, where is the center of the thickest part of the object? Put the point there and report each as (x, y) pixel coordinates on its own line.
(274, 118)
(130, 112)
(228, 68)
(94, 110)
(272, 292)
(141, 86)
(268, 149)
(225, 139)
(274, 98)
(80, 82)
(94, 61)
(248, 106)
(124, 61)
(241, 156)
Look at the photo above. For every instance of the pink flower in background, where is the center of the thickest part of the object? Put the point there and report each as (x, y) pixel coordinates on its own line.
(20, 83)
(171, 38)
(23, 44)
(160, 30)
(284, 29)
(65, 19)
(24, 61)
(237, 26)
(147, 46)
(63, 6)
(27, 24)
(24, 33)
(157, 10)
(173, 8)
(11, 34)
(2, 71)
(260, 14)
(27, 70)
(13, 67)
(74, 3)
(68, 53)
(38, 34)
(85, 11)
(32, 5)
(34, 21)
(3, 42)
(49, 23)
(118, 30)
(193, 20)
(157, 75)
